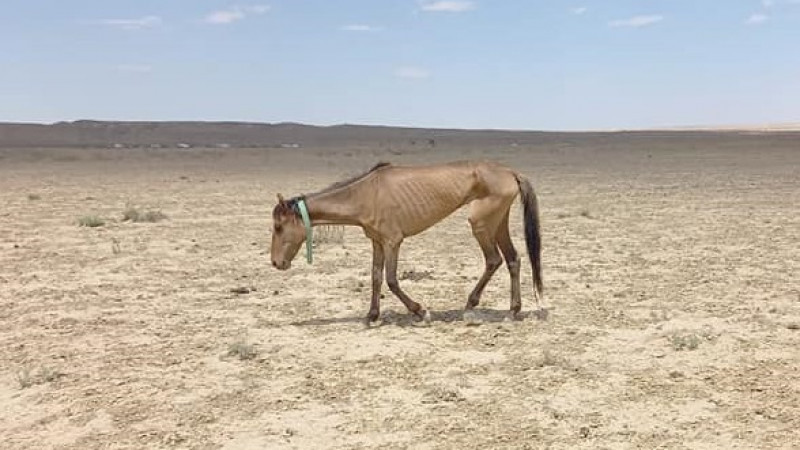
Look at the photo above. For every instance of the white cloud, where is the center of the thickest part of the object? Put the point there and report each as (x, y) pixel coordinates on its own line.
(411, 72)
(448, 6)
(768, 3)
(756, 19)
(360, 27)
(225, 17)
(579, 10)
(134, 24)
(228, 16)
(637, 21)
(258, 9)
(135, 68)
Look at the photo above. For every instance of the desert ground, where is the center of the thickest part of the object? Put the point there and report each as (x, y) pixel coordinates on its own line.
(671, 285)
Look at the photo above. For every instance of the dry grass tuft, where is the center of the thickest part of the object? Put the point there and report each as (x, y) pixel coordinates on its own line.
(133, 214)
(91, 221)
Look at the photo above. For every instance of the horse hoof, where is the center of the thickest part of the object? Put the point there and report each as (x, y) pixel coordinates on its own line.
(472, 318)
(424, 319)
(372, 320)
(372, 323)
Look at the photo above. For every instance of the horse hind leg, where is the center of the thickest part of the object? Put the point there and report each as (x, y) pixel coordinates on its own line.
(484, 233)
(512, 262)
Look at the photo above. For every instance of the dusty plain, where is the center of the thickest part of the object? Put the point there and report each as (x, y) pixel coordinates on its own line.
(671, 267)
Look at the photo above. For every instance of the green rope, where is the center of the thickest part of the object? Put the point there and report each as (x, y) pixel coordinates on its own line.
(301, 205)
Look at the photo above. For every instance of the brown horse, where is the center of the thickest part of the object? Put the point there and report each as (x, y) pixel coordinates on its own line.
(391, 203)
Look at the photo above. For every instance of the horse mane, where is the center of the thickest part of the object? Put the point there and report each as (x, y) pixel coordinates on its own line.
(290, 205)
(343, 183)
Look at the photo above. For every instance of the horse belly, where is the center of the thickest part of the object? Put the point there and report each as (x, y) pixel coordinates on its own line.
(429, 206)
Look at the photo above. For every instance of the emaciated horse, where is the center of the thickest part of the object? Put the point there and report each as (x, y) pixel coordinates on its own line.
(391, 203)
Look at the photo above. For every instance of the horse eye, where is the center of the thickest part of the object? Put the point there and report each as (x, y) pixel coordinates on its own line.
(278, 228)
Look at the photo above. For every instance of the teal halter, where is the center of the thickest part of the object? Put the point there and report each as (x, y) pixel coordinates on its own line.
(301, 205)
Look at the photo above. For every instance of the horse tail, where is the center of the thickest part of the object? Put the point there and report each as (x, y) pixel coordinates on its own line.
(533, 237)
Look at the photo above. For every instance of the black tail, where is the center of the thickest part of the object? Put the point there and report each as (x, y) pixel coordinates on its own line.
(533, 237)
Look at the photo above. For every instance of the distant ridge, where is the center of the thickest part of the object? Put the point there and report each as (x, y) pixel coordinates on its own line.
(184, 134)
(744, 127)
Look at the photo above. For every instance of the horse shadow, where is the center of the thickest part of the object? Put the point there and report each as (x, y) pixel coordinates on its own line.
(476, 316)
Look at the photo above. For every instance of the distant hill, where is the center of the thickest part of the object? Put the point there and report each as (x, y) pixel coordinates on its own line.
(99, 134)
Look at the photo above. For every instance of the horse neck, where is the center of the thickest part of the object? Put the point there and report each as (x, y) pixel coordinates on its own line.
(335, 207)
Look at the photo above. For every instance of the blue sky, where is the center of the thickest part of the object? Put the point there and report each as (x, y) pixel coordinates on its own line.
(511, 64)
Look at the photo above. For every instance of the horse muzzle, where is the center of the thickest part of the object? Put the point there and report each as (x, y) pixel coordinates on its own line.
(282, 265)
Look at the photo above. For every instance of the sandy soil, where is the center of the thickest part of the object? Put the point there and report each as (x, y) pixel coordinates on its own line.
(671, 275)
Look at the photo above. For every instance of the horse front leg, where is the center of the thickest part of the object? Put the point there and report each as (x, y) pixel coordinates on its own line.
(391, 252)
(377, 282)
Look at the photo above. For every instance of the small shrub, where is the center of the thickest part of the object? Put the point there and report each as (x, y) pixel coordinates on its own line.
(242, 349)
(442, 394)
(133, 214)
(91, 221)
(549, 359)
(416, 275)
(34, 197)
(152, 216)
(48, 374)
(25, 378)
(115, 246)
(130, 214)
(684, 341)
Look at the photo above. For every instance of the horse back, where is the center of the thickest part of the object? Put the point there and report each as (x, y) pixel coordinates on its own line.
(410, 199)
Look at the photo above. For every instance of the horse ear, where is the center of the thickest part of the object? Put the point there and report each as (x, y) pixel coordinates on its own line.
(281, 201)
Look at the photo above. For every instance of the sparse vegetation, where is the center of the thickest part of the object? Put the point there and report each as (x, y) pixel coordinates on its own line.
(548, 359)
(416, 275)
(34, 197)
(115, 246)
(48, 374)
(583, 213)
(242, 350)
(161, 319)
(27, 378)
(441, 394)
(659, 315)
(24, 378)
(133, 214)
(328, 235)
(681, 341)
(91, 221)
(243, 290)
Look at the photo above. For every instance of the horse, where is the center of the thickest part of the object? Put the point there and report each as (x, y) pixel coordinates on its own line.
(391, 203)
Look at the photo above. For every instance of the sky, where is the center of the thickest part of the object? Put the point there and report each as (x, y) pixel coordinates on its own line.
(499, 64)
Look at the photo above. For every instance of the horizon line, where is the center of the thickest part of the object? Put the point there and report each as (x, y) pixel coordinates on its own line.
(764, 127)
